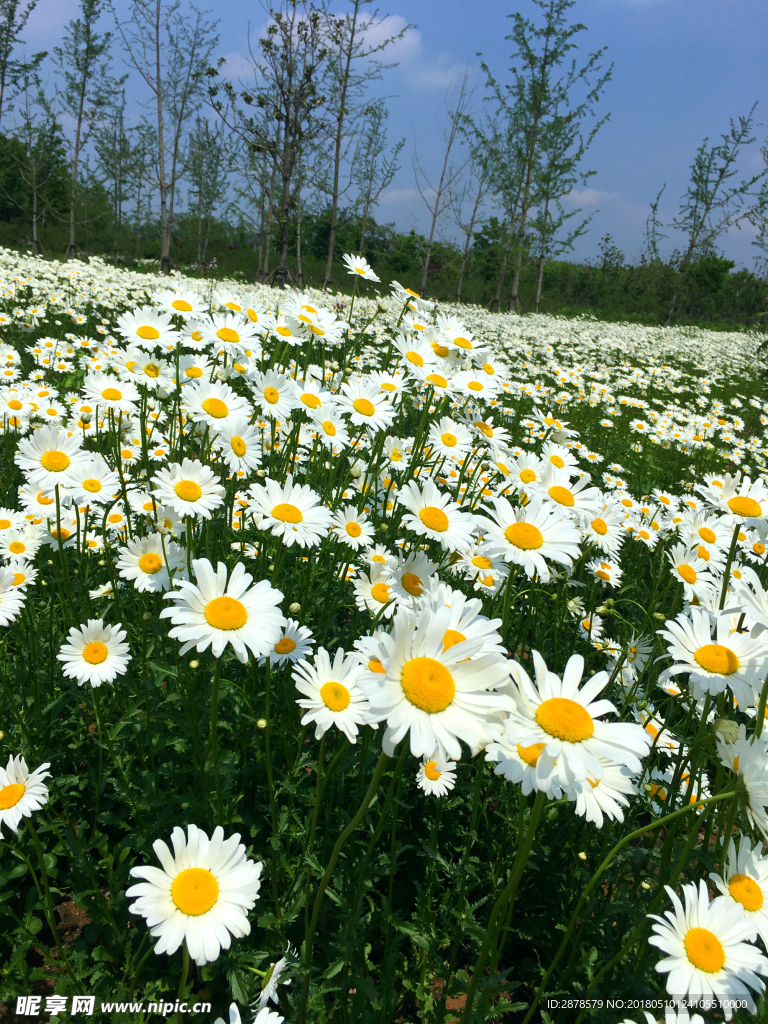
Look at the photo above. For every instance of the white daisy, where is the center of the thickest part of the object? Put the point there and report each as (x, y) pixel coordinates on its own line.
(432, 514)
(189, 487)
(95, 653)
(332, 693)
(295, 644)
(21, 791)
(436, 776)
(201, 895)
(147, 560)
(292, 512)
(746, 884)
(530, 534)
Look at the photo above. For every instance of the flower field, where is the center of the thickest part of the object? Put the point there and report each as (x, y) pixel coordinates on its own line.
(369, 661)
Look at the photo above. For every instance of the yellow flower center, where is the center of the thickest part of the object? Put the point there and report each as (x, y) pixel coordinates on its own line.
(18, 579)
(151, 563)
(743, 506)
(688, 573)
(287, 513)
(718, 659)
(5, 524)
(415, 358)
(148, 333)
(284, 332)
(565, 719)
(194, 891)
(525, 536)
(10, 795)
(704, 950)
(194, 372)
(449, 440)
(329, 428)
(707, 535)
(703, 554)
(91, 485)
(272, 395)
(111, 394)
(238, 446)
(438, 380)
(380, 592)
(451, 637)
(95, 652)
(561, 495)
(745, 891)
(335, 696)
(55, 461)
(216, 408)
(16, 547)
(364, 407)
(464, 343)
(758, 548)
(427, 684)
(531, 754)
(182, 305)
(188, 490)
(285, 645)
(603, 575)
(475, 385)
(152, 370)
(412, 584)
(430, 770)
(374, 665)
(226, 613)
(310, 400)
(482, 562)
(227, 334)
(353, 529)
(556, 461)
(600, 526)
(15, 404)
(434, 518)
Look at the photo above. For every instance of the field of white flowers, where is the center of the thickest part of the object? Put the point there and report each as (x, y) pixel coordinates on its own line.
(366, 661)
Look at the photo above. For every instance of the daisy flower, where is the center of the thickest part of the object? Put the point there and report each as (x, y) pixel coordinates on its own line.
(606, 797)
(147, 328)
(449, 439)
(331, 428)
(749, 758)
(22, 543)
(292, 512)
(295, 644)
(436, 697)
(529, 535)
(332, 693)
(366, 405)
(95, 653)
(360, 266)
(146, 561)
(353, 527)
(189, 487)
(568, 721)
(735, 660)
(271, 980)
(605, 570)
(239, 444)
(433, 515)
(436, 776)
(411, 576)
(49, 457)
(746, 884)
(372, 592)
(184, 303)
(24, 573)
(21, 791)
(606, 530)
(708, 951)
(213, 612)
(214, 403)
(415, 351)
(228, 333)
(574, 498)
(201, 895)
(691, 571)
(94, 483)
(274, 393)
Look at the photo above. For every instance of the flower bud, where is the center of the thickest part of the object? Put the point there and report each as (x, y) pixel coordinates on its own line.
(261, 723)
(728, 729)
(194, 663)
(294, 608)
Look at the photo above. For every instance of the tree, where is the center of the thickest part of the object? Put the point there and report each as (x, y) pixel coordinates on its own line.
(438, 197)
(167, 49)
(348, 47)
(13, 18)
(536, 94)
(279, 111)
(711, 205)
(207, 176)
(475, 190)
(114, 160)
(372, 171)
(86, 92)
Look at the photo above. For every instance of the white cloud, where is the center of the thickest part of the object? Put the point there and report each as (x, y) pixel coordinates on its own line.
(589, 197)
(399, 197)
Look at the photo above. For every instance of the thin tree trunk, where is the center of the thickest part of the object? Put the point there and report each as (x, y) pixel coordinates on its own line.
(337, 153)
(468, 243)
(299, 270)
(496, 303)
(270, 221)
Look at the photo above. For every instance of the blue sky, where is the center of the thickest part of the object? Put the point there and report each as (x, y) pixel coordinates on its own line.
(682, 68)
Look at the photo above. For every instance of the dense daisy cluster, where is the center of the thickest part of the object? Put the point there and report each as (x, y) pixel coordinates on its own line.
(379, 502)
